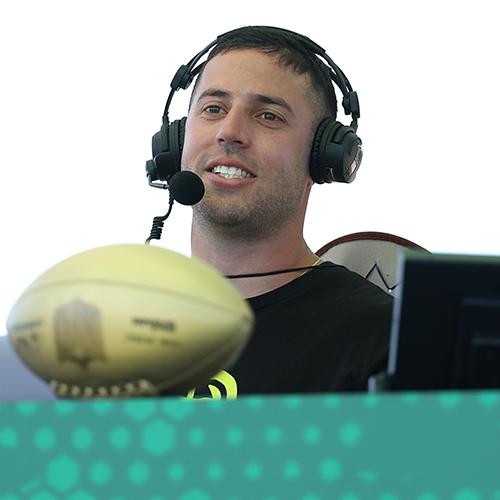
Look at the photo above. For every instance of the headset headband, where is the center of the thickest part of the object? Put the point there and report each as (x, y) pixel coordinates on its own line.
(186, 73)
(336, 150)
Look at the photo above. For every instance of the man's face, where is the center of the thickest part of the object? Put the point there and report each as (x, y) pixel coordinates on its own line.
(248, 135)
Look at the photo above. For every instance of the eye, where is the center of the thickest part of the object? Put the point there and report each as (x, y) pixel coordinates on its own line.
(270, 117)
(212, 109)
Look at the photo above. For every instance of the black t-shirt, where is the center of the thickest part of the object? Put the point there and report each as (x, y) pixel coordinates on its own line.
(327, 330)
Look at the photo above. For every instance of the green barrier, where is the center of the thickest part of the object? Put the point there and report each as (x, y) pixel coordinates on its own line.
(393, 446)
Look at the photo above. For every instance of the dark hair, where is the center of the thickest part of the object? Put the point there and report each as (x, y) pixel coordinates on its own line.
(291, 51)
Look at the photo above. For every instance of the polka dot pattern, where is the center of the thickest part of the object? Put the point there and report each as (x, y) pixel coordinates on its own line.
(45, 438)
(83, 438)
(100, 473)
(253, 471)
(350, 433)
(120, 437)
(350, 447)
(176, 472)
(138, 472)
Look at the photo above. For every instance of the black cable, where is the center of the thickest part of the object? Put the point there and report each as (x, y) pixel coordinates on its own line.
(281, 271)
(324, 265)
(157, 226)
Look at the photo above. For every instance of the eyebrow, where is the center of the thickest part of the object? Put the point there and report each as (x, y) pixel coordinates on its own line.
(277, 101)
(260, 98)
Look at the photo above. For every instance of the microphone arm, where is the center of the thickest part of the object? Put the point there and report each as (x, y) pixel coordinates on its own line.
(159, 185)
(184, 187)
(153, 176)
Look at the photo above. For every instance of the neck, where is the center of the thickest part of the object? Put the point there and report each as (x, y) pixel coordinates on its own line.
(280, 250)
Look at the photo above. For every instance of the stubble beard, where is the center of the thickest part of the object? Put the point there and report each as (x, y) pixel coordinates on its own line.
(249, 218)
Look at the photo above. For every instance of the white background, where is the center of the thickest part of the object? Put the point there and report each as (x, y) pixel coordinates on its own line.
(83, 86)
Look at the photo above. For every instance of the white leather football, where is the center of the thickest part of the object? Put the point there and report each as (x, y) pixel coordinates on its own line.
(129, 320)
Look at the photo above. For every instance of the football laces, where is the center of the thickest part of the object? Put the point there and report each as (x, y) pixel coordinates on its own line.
(139, 388)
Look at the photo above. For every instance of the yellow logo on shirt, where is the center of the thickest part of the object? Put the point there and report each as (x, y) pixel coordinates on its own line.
(221, 386)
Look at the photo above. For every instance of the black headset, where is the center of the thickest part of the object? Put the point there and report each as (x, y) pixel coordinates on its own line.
(336, 151)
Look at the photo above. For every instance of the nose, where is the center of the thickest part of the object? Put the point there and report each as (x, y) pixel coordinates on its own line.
(233, 129)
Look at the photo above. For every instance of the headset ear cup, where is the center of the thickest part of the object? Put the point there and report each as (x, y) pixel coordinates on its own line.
(315, 170)
(167, 149)
(176, 141)
(159, 144)
(181, 133)
(336, 153)
(159, 141)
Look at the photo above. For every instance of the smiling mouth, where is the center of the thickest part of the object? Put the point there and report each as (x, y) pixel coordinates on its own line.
(231, 172)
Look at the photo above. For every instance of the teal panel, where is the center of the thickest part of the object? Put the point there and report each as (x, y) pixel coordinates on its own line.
(395, 446)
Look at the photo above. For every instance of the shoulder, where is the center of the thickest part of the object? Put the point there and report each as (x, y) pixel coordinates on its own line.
(329, 281)
(328, 284)
(342, 284)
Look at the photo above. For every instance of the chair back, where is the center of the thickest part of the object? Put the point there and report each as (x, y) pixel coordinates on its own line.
(373, 255)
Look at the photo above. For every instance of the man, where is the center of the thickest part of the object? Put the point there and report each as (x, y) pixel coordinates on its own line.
(253, 114)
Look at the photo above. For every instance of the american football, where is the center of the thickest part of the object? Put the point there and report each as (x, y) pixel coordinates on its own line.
(127, 320)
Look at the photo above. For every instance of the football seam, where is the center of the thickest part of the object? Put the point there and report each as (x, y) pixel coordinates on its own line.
(127, 284)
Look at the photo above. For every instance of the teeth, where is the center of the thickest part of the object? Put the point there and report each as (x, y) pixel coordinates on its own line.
(230, 172)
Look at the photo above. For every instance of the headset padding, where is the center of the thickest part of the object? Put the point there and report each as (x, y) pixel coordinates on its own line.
(320, 166)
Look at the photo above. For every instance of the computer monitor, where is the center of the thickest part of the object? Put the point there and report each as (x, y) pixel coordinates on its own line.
(446, 323)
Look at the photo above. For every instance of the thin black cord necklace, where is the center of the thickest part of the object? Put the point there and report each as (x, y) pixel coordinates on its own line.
(280, 271)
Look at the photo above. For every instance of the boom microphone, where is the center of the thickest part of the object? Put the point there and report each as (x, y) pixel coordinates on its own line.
(186, 188)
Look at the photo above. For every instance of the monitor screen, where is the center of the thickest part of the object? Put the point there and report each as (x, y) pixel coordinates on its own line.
(446, 323)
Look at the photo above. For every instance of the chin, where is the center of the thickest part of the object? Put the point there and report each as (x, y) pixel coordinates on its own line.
(218, 215)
